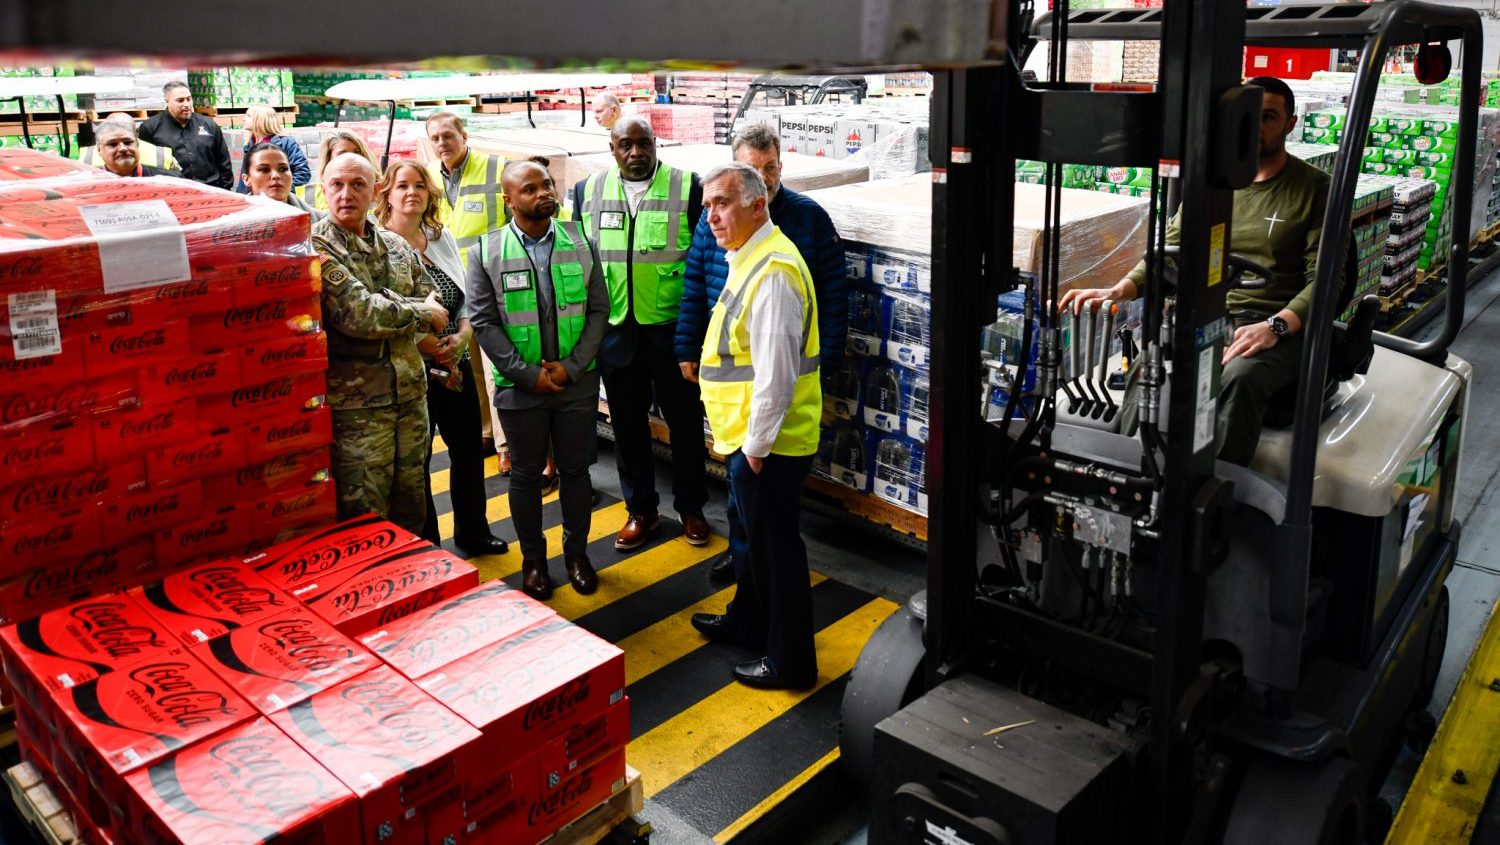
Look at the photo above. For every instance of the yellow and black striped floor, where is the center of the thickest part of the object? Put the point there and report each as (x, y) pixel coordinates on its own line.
(716, 755)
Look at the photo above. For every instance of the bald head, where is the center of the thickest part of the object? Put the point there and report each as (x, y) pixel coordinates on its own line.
(607, 110)
(634, 146)
(349, 184)
(529, 192)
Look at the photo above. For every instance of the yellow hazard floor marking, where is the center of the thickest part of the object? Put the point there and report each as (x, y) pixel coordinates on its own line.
(1441, 806)
(636, 573)
(440, 478)
(606, 522)
(674, 637)
(781, 794)
(701, 732)
(496, 510)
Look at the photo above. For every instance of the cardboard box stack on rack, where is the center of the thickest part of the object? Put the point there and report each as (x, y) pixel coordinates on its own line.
(220, 705)
(640, 89)
(678, 122)
(238, 88)
(145, 92)
(889, 136)
(722, 91)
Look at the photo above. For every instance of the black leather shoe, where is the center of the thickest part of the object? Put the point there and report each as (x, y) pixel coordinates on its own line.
(715, 626)
(723, 568)
(534, 579)
(487, 546)
(761, 675)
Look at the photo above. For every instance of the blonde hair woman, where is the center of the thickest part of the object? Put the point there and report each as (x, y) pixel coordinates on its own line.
(334, 143)
(264, 125)
(406, 205)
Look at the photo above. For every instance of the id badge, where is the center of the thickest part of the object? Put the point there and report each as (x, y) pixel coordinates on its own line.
(473, 206)
(611, 220)
(518, 280)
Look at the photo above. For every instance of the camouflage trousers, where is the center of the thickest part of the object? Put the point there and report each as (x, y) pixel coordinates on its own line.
(380, 462)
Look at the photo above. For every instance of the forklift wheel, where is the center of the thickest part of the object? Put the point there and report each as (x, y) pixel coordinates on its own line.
(1432, 652)
(887, 677)
(1293, 803)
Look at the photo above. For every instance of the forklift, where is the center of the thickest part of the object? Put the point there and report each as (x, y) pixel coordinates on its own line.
(1123, 639)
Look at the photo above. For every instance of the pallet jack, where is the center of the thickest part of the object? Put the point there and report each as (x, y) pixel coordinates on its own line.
(1121, 639)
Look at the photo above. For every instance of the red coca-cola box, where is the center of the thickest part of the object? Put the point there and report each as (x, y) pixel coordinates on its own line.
(128, 345)
(527, 689)
(301, 430)
(278, 661)
(551, 809)
(282, 474)
(44, 449)
(156, 507)
(260, 322)
(138, 430)
(191, 376)
(497, 797)
(215, 452)
(583, 744)
(198, 604)
(25, 369)
(278, 278)
(87, 487)
(247, 785)
(391, 744)
(217, 533)
(30, 405)
(297, 562)
(294, 510)
(140, 714)
(277, 398)
(430, 638)
(307, 353)
(49, 536)
(383, 591)
(55, 583)
(160, 303)
(71, 645)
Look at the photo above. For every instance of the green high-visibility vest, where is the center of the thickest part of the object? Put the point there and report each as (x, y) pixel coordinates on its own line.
(643, 254)
(513, 276)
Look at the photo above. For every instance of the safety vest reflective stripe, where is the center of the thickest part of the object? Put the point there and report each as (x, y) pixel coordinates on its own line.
(643, 258)
(502, 252)
(479, 181)
(734, 306)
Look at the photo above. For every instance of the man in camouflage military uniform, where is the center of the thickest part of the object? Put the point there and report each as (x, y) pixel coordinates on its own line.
(377, 301)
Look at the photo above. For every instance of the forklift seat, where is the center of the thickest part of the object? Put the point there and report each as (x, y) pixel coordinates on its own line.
(1349, 354)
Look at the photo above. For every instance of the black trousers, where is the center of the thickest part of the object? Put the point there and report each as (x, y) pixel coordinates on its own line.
(563, 424)
(455, 415)
(773, 598)
(653, 372)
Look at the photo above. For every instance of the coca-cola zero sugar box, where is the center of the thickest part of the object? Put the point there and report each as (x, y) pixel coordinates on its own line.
(498, 795)
(553, 808)
(583, 743)
(305, 560)
(388, 588)
(427, 639)
(390, 743)
(277, 661)
(198, 604)
(249, 784)
(36, 589)
(216, 533)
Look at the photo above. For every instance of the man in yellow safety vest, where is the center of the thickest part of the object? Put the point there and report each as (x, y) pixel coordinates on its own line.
(759, 377)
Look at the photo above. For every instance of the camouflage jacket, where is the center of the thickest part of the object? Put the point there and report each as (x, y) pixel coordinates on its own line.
(371, 294)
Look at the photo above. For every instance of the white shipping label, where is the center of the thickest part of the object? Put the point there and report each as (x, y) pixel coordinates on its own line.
(34, 328)
(140, 244)
(1203, 422)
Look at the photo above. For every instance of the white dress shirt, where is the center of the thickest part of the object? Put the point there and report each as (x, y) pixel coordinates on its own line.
(774, 321)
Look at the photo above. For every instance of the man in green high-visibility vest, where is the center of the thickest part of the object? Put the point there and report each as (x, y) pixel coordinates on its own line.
(640, 214)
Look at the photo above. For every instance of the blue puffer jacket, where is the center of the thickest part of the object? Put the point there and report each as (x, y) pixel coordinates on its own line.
(301, 173)
(808, 226)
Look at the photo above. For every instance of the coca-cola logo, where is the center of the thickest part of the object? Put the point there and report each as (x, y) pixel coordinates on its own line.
(178, 696)
(268, 392)
(45, 449)
(55, 537)
(58, 578)
(207, 453)
(196, 374)
(277, 787)
(306, 643)
(284, 355)
(84, 486)
(270, 469)
(277, 277)
(179, 292)
(69, 400)
(144, 342)
(244, 233)
(22, 267)
(155, 424)
(300, 428)
(556, 801)
(227, 585)
(252, 315)
(328, 557)
(164, 506)
(28, 365)
(205, 534)
(558, 704)
(294, 507)
(106, 624)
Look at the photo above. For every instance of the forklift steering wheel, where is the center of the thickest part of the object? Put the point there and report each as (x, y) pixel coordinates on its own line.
(1236, 268)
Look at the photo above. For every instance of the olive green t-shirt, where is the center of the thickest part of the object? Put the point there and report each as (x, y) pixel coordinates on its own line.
(1278, 224)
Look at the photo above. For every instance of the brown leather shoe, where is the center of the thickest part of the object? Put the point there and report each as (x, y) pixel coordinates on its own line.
(534, 579)
(695, 529)
(637, 528)
(550, 481)
(581, 573)
(503, 458)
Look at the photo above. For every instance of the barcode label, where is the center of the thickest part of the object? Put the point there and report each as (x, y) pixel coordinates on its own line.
(37, 343)
(34, 328)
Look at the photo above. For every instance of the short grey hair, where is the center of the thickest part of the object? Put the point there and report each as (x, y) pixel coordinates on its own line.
(111, 126)
(756, 136)
(751, 183)
(630, 120)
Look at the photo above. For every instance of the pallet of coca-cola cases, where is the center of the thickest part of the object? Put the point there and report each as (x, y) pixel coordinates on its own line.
(352, 685)
(162, 379)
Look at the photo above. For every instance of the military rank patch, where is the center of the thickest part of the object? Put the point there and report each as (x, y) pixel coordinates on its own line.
(335, 276)
(519, 280)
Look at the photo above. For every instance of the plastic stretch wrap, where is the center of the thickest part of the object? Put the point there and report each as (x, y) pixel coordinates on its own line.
(22, 164)
(799, 172)
(685, 124)
(408, 139)
(888, 136)
(162, 380)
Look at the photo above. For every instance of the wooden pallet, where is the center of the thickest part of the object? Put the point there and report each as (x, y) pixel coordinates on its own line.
(1436, 272)
(599, 822)
(35, 117)
(13, 130)
(38, 806)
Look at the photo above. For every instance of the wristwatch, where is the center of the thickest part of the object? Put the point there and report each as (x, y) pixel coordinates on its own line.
(1277, 324)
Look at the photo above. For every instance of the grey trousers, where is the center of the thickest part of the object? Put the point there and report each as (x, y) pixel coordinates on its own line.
(564, 424)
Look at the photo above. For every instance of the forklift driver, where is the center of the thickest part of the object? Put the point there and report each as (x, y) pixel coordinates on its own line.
(1278, 222)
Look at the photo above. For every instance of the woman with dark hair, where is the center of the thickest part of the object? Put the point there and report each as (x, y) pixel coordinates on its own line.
(269, 173)
(406, 205)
